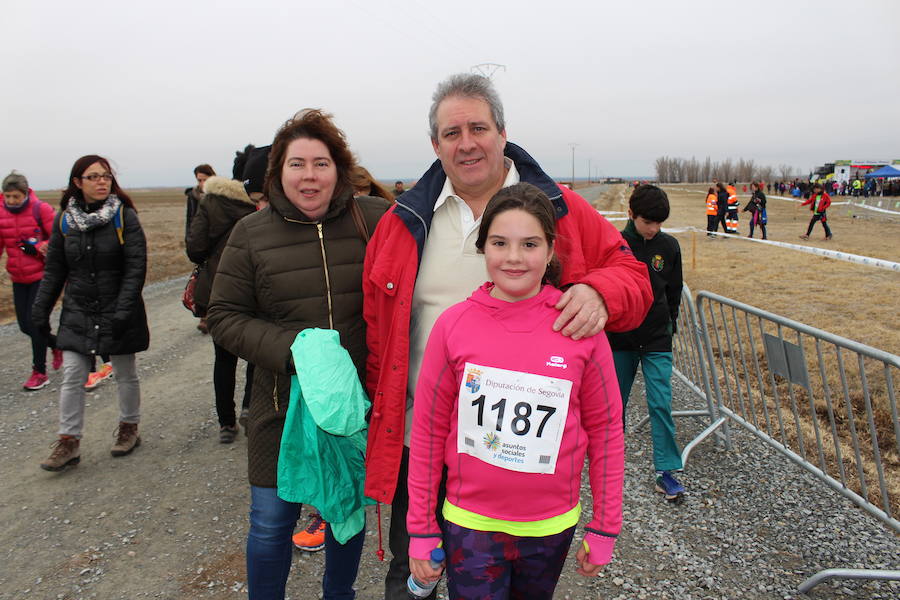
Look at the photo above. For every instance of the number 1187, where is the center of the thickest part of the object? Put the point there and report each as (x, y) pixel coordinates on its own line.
(521, 422)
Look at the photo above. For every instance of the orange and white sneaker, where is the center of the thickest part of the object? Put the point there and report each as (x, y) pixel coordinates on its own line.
(311, 539)
(99, 376)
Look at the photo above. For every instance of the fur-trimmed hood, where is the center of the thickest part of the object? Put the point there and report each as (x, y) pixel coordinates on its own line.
(230, 188)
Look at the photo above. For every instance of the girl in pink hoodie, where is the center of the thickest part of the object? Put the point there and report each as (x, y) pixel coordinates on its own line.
(510, 408)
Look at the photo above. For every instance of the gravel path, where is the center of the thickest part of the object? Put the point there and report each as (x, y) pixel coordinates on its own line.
(170, 520)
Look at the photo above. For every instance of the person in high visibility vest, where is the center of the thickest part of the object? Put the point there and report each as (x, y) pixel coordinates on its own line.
(711, 211)
(857, 187)
(731, 217)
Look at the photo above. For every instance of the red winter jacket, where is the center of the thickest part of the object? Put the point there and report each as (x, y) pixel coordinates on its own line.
(21, 225)
(591, 251)
(824, 204)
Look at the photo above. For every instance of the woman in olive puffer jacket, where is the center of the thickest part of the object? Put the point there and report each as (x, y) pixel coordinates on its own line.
(294, 265)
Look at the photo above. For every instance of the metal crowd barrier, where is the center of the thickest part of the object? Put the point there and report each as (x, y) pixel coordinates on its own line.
(815, 397)
(689, 366)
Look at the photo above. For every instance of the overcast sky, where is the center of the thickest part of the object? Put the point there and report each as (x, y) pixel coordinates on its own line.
(159, 87)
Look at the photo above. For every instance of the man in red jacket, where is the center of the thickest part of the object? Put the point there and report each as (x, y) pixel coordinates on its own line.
(422, 259)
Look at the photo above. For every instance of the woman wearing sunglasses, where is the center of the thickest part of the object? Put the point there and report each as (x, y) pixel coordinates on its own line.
(98, 254)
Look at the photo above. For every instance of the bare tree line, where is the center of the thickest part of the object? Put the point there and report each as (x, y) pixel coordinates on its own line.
(691, 170)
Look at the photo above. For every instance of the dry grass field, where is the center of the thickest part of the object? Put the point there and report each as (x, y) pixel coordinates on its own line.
(854, 301)
(851, 300)
(161, 212)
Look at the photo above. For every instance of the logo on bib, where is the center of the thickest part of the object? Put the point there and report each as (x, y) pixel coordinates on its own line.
(557, 361)
(473, 379)
(491, 440)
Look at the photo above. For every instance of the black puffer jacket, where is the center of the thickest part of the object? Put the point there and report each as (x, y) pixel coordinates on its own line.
(662, 255)
(280, 274)
(224, 203)
(103, 280)
(193, 196)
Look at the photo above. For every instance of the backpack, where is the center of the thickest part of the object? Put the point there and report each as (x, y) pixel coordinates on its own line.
(118, 220)
(36, 213)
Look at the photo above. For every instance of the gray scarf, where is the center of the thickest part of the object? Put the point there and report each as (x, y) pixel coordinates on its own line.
(84, 221)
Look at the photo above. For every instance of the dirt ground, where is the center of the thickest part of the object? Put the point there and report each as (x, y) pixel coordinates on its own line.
(170, 520)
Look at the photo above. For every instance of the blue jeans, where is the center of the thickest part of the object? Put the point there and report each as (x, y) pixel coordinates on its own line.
(269, 550)
(657, 369)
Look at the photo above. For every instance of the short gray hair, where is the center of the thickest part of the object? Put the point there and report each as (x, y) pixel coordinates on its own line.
(15, 181)
(466, 85)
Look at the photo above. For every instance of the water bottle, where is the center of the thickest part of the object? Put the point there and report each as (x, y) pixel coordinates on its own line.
(418, 589)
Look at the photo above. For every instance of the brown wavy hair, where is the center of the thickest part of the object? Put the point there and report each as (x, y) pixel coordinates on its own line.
(81, 165)
(313, 124)
(530, 199)
(363, 181)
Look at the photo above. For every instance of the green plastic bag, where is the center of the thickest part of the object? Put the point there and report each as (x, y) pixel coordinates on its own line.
(323, 446)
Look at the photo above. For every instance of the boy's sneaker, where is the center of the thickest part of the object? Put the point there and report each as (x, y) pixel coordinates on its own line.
(671, 487)
(99, 376)
(127, 439)
(57, 359)
(36, 381)
(312, 538)
(66, 452)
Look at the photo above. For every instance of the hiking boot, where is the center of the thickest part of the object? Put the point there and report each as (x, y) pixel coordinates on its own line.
(127, 439)
(57, 359)
(671, 487)
(36, 381)
(227, 434)
(65, 453)
(312, 538)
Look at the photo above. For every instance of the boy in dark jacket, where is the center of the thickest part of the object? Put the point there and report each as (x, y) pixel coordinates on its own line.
(650, 345)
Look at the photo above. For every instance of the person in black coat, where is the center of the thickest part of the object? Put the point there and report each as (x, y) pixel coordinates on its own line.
(721, 206)
(224, 203)
(193, 195)
(757, 208)
(98, 254)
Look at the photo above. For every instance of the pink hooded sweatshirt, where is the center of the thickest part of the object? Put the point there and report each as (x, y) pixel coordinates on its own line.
(482, 353)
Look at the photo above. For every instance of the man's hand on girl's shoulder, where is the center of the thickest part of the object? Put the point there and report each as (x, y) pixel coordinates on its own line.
(583, 312)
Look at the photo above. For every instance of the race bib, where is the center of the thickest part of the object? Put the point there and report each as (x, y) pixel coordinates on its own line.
(511, 419)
